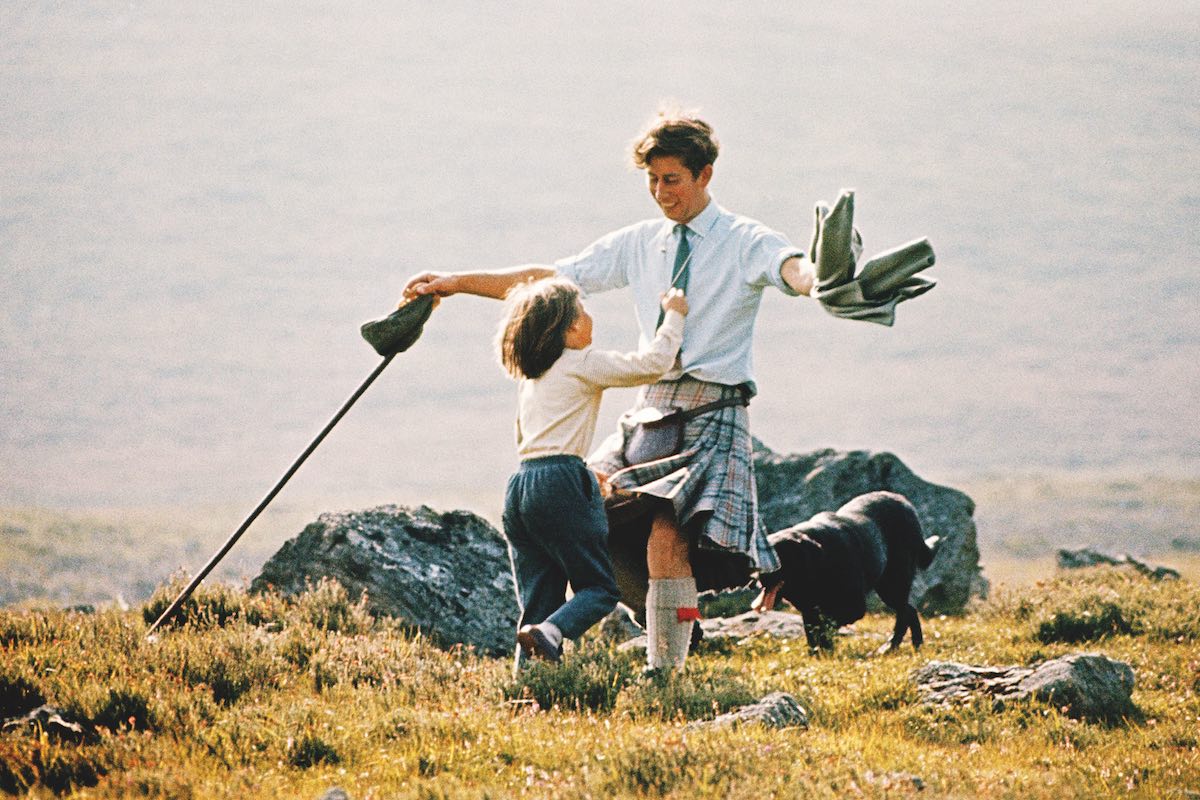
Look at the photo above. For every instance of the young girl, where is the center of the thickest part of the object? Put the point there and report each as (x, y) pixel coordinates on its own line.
(553, 512)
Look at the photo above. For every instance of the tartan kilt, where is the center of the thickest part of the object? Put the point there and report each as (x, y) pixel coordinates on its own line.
(709, 483)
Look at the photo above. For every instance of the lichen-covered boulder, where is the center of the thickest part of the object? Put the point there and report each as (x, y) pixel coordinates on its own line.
(1088, 685)
(447, 574)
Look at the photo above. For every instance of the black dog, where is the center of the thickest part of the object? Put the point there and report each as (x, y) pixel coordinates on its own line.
(831, 563)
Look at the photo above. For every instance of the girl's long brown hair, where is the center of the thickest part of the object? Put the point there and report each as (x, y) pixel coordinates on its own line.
(534, 327)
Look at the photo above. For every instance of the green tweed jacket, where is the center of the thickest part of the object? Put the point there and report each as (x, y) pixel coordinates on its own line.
(885, 280)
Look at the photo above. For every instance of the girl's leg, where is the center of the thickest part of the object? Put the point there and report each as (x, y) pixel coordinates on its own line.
(572, 527)
(540, 582)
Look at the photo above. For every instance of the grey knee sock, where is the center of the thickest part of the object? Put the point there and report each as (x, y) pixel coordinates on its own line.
(670, 612)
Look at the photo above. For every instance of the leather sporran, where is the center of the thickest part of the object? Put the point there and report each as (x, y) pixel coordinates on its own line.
(654, 435)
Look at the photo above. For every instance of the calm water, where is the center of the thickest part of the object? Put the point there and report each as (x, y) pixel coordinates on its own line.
(199, 203)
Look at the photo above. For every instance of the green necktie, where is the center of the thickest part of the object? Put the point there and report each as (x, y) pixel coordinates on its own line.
(679, 275)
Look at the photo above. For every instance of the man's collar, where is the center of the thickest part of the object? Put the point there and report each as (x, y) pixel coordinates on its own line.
(701, 224)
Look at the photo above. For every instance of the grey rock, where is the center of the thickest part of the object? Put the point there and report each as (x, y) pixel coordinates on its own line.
(447, 574)
(1091, 557)
(780, 624)
(1090, 686)
(776, 710)
(792, 488)
(334, 793)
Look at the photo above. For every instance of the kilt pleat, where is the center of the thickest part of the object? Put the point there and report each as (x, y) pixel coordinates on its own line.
(710, 482)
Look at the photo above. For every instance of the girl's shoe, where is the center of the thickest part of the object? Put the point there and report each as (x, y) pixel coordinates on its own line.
(537, 643)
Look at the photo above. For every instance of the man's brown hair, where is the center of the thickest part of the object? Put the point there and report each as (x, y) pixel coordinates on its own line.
(533, 331)
(678, 133)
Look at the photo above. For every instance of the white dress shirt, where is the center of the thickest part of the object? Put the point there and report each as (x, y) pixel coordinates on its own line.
(733, 259)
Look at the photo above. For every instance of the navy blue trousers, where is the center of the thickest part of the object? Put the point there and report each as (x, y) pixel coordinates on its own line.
(558, 534)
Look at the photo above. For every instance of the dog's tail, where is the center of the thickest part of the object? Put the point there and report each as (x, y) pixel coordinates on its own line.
(931, 544)
(925, 550)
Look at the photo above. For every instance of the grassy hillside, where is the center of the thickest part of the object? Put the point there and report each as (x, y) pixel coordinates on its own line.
(267, 698)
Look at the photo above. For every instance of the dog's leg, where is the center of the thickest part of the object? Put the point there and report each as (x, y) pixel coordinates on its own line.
(914, 622)
(907, 619)
(900, 628)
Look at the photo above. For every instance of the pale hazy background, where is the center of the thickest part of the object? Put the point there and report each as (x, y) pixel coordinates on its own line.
(200, 202)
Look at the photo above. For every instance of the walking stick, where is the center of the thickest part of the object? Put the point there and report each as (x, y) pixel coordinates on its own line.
(389, 336)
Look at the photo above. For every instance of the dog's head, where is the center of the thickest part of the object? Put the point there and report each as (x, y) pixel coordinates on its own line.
(797, 553)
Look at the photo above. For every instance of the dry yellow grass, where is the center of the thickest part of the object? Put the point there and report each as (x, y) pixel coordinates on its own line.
(262, 697)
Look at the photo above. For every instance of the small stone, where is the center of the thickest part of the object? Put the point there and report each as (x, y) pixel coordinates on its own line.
(776, 710)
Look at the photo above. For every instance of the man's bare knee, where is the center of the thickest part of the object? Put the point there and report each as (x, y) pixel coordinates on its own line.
(667, 548)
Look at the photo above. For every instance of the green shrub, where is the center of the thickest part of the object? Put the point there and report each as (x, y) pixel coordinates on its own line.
(19, 628)
(976, 722)
(213, 605)
(326, 606)
(590, 678)
(659, 768)
(296, 647)
(1099, 602)
(324, 675)
(229, 661)
(727, 604)
(600, 678)
(312, 750)
(696, 693)
(1086, 625)
(27, 762)
(125, 709)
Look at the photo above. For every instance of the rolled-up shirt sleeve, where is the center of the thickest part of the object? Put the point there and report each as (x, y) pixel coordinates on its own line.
(602, 265)
(763, 254)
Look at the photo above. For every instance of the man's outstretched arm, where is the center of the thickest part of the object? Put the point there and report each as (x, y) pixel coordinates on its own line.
(492, 283)
(798, 274)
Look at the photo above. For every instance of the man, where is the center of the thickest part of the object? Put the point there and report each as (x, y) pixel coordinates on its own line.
(706, 492)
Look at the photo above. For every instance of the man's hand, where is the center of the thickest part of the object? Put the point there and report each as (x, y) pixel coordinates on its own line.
(442, 284)
(798, 274)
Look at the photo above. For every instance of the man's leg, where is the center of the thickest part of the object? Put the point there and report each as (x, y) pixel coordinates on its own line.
(671, 600)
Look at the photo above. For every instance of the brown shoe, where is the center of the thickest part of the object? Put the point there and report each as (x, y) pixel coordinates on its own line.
(536, 644)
